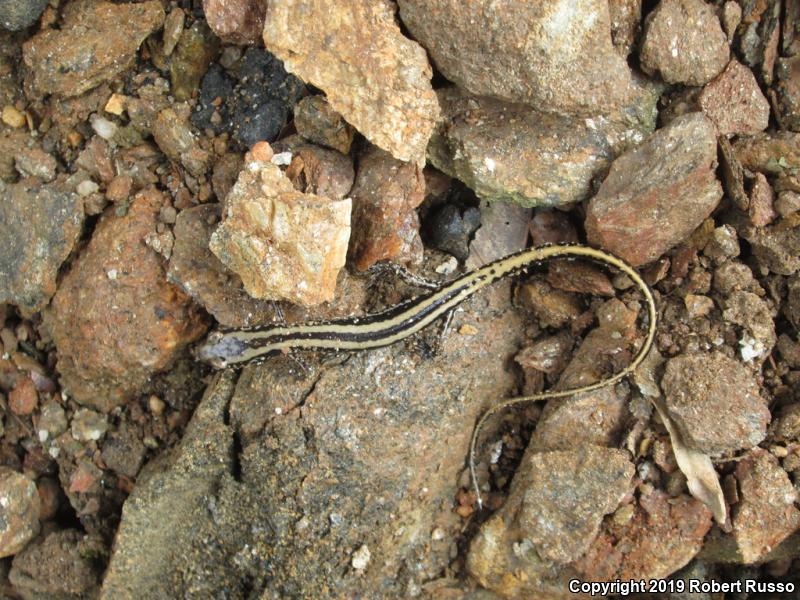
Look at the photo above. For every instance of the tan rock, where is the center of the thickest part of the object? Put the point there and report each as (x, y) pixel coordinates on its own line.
(555, 56)
(285, 245)
(377, 79)
(19, 511)
(90, 47)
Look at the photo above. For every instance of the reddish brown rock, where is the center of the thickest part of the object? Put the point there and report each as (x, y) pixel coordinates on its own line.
(23, 399)
(317, 122)
(658, 193)
(90, 47)
(486, 55)
(236, 21)
(734, 102)
(683, 42)
(626, 17)
(317, 170)
(762, 211)
(39, 225)
(580, 277)
(715, 403)
(660, 537)
(594, 417)
(376, 78)
(765, 514)
(385, 223)
(553, 308)
(115, 319)
(285, 245)
(201, 274)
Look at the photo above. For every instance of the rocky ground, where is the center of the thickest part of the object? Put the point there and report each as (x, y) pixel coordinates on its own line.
(168, 167)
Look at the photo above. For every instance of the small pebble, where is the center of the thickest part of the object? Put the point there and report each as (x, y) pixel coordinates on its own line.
(156, 405)
(23, 399)
(87, 187)
(361, 558)
(115, 106)
(52, 422)
(103, 127)
(282, 159)
(467, 330)
(88, 425)
(119, 189)
(13, 117)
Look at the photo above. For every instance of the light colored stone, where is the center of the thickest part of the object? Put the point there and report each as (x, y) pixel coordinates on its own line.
(285, 245)
(19, 511)
(376, 78)
(236, 21)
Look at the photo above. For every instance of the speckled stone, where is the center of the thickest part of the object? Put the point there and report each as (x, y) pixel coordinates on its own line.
(19, 511)
(374, 76)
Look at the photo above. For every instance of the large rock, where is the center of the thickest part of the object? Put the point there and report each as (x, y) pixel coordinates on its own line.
(555, 56)
(376, 78)
(91, 47)
(39, 225)
(508, 152)
(658, 193)
(19, 511)
(115, 319)
(281, 481)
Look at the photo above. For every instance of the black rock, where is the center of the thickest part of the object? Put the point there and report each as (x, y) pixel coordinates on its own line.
(19, 14)
(264, 122)
(216, 84)
(450, 228)
(257, 98)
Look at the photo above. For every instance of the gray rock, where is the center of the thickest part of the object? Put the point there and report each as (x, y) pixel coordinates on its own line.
(281, 478)
(512, 153)
(520, 51)
(39, 225)
(19, 14)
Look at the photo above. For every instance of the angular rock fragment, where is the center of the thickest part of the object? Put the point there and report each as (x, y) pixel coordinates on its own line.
(33, 574)
(90, 47)
(39, 225)
(765, 514)
(715, 403)
(734, 102)
(19, 511)
(317, 170)
(19, 14)
(176, 139)
(236, 21)
(553, 512)
(657, 538)
(658, 193)
(385, 223)
(684, 42)
(197, 47)
(521, 53)
(317, 122)
(115, 319)
(511, 153)
(377, 79)
(201, 275)
(787, 88)
(285, 245)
